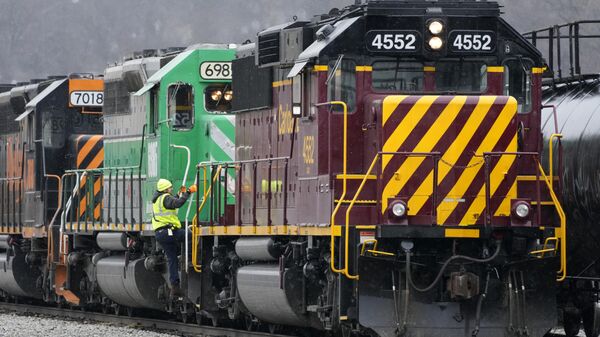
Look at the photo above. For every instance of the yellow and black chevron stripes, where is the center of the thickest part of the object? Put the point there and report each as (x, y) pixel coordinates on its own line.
(90, 155)
(426, 144)
(452, 154)
(408, 123)
(475, 165)
(461, 129)
(90, 152)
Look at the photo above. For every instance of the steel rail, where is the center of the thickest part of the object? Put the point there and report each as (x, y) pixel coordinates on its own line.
(140, 322)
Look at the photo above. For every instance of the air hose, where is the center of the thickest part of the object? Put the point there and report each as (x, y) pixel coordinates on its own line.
(445, 266)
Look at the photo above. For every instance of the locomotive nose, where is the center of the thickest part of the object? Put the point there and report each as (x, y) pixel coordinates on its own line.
(434, 150)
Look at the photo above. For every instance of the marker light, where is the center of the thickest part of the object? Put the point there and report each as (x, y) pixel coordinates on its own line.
(399, 209)
(436, 27)
(435, 43)
(216, 95)
(228, 95)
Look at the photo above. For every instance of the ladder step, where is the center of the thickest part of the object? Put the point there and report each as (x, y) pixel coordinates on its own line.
(368, 202)
(533, 178)
(543, 203)
(356, 176)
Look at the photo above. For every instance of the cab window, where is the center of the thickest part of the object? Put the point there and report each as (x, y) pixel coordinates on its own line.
(517, 82)
(342, 84)
(153, 110)
(398, 76)
(461, 76)
(218, 97)
(180, 106)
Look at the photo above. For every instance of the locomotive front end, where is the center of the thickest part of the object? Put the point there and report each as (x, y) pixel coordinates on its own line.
(465, 212)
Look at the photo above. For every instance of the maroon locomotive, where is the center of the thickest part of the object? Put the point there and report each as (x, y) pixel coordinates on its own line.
(388, 179)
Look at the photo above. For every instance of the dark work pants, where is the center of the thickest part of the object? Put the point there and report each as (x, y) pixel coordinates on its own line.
(172, 246)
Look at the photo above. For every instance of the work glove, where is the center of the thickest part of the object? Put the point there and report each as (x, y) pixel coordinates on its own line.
(192, 189)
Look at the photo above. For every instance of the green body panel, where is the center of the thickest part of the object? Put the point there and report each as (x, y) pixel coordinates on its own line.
(211, 138)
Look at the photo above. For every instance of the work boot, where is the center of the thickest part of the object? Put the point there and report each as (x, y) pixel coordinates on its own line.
(176, 291)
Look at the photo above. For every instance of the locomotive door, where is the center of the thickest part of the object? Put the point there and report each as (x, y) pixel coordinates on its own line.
(180, 110)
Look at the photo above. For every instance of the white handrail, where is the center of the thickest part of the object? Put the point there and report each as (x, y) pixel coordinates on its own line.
(67, 209)
(187, 168)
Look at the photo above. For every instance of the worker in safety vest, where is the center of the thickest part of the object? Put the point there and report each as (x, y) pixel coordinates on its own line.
(167, 227)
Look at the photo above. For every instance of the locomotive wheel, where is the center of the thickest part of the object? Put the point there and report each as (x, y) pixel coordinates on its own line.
(251, 325)
(118, 310)
(274, 328)
(187, 317)
(199, 319)
(591, 320)
(571, 322)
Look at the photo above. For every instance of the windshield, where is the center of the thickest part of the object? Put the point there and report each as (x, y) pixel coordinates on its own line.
(461, 76)
(398, 76)
(468, 76)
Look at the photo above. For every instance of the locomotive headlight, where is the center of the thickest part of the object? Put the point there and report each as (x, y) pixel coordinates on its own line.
(435, 43)
(521, 210)
(435, 27)
(228, 95)
(216, 95)
(398, 209)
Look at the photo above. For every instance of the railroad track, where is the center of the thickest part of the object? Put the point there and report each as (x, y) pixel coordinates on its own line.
(167, 326)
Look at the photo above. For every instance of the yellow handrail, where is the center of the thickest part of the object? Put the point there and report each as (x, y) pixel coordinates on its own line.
(373, 251)
(344, 188)
(551, 156)
(347, 227)
(560, 234)
(364, 246)
(196, 230)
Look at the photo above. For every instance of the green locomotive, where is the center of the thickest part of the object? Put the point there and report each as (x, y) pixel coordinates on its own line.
(165, 111)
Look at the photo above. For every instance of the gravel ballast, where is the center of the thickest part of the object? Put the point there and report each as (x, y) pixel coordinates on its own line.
(26, 325)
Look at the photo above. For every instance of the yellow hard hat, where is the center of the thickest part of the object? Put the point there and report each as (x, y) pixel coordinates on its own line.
(163, 185)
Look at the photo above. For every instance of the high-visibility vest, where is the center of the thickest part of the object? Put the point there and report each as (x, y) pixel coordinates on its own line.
(162, 216)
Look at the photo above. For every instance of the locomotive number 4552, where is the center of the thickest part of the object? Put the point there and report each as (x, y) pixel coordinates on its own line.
(472, 41)
(393, 40)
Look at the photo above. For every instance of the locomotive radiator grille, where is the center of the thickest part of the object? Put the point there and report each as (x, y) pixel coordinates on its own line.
(461, 129)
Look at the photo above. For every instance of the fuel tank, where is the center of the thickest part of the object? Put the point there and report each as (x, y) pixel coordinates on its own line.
(16, 277)
(577, 108)
(130, 285)
(273, 298)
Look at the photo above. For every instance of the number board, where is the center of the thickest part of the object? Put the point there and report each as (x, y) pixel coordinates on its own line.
(86, 98)
(472, 41)
(215, 70)
(405, 41)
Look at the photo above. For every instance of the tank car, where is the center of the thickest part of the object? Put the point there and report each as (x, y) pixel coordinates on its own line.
(49, 126)
(570, 126)
(164, 110)
(388, 179)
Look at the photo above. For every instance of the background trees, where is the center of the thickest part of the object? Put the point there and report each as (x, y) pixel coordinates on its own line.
(41, 37)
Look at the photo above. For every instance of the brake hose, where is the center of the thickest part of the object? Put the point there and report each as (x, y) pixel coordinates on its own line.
(445, 265)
